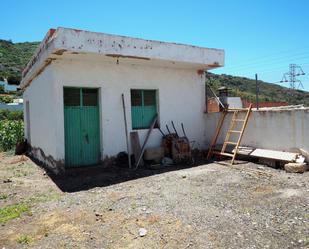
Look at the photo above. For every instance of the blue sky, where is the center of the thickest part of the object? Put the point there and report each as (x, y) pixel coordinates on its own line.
(258, 36)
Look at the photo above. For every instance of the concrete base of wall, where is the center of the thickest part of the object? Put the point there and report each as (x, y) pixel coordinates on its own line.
(47, 162)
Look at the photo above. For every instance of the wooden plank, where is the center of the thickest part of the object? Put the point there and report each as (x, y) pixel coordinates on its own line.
(136, 146)
(126, 130)
(242, 133)
(222, 153)
(215, 137)
(237, 109)
(233, 131)
(146, 140)
(229, 142)
(228, 134)
(268, 154)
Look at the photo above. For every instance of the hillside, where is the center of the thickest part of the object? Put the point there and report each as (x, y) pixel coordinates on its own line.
(245, 88)
(14, 57)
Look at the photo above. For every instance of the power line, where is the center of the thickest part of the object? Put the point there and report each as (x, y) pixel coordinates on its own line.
(262, 58)
(269, 62)
(276, 69)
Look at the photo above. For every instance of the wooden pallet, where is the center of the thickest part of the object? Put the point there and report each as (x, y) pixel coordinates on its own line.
(232, 130)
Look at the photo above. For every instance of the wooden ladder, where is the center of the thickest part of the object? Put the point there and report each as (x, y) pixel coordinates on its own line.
(231, 130)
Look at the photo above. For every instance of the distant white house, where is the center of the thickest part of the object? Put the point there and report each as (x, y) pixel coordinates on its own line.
(12, 106)
(73, 87)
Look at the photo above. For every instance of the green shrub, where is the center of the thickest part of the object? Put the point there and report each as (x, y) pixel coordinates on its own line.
(2, 87)
(11, 133)
(6, 98)
(11, 115)
(14, 79)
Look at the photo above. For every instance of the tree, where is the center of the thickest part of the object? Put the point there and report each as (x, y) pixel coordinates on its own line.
(14, 80)
(2, 89)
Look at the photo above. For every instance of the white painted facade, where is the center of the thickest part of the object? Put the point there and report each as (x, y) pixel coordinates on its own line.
(174, 70)
(284, 130)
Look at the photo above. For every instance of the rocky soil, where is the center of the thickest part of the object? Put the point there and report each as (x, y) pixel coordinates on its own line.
(208, 206)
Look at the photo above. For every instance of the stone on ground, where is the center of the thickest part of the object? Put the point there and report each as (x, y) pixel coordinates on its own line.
(295, 167)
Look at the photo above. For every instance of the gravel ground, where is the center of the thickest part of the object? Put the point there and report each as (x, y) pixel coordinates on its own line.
(207, 206)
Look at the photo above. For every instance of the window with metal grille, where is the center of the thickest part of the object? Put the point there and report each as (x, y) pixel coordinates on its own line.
(143, 108)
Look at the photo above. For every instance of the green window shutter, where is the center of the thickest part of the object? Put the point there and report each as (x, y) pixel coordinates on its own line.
(143, 108)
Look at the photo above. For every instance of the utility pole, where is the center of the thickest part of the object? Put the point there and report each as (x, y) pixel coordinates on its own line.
(292, 75)
(206, 92)
(257, 91)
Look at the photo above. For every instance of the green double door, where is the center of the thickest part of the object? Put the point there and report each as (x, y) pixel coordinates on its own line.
(82, 126)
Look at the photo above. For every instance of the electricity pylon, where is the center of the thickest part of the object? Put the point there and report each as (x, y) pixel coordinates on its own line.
(291, 76)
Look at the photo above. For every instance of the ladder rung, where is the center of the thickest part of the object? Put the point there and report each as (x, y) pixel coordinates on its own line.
(239, 120)
(228, 142)
(233, 131)
(238, 109)
(222, 153)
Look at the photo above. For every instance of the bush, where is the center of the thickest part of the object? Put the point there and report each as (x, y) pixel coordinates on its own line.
(2, 88)
(11, 115)
(14, 79)
(6, 99)
(11, 133)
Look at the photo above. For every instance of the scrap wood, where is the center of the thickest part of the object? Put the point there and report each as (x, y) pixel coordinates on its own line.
(126, 130)
(268, 154)
(146, 140)
(136, 146)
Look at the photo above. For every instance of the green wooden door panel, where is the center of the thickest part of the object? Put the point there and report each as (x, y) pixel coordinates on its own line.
(73, 143)
(82, 131)
(90, 135)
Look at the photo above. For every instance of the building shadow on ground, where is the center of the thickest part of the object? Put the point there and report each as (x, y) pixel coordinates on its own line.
(85, 178)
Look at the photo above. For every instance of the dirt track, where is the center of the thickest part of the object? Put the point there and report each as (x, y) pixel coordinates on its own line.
(209, 206)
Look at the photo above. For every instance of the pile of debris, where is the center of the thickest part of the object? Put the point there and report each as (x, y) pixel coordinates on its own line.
(292, 162)
(174, 149)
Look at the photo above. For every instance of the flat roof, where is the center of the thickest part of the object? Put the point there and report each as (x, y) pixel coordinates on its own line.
(65, 41)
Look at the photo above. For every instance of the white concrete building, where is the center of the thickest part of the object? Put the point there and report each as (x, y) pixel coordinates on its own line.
(73, 87)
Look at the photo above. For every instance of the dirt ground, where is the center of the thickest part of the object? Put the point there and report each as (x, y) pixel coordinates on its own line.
(207, 206)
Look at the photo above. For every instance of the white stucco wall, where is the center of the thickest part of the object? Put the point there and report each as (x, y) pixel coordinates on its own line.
(181, 98)
(276, 130)
(41, 97)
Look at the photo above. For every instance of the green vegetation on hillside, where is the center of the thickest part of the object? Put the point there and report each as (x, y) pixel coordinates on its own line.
(245, 88)
(13, 59)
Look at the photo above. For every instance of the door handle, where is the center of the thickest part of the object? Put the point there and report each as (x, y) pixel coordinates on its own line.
(87, 138)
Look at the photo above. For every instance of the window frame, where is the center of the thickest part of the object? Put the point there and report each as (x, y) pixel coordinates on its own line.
(156, 104)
